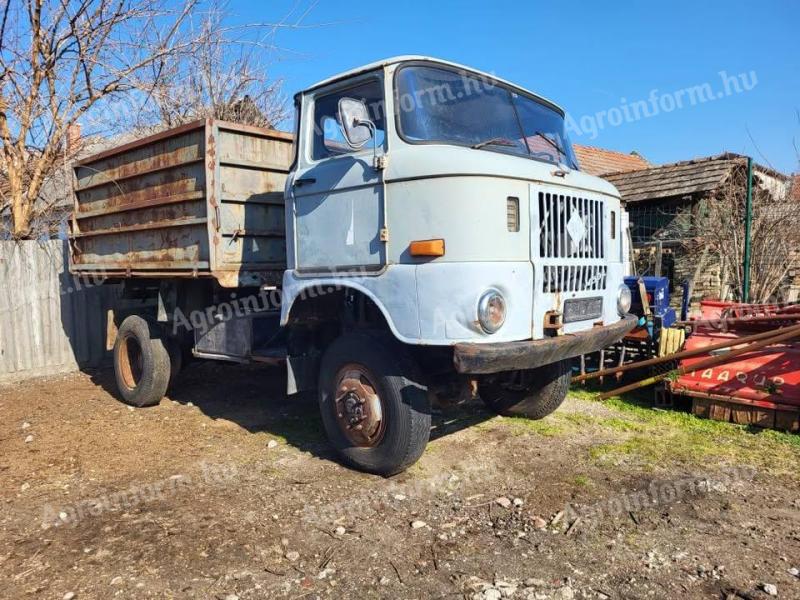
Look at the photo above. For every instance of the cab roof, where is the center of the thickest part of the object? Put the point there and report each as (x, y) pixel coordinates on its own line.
(413, 57)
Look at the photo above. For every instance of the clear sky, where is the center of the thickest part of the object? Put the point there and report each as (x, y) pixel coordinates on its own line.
(595, 59)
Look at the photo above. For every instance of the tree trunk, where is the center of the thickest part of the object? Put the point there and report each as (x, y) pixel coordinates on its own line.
(20, 208)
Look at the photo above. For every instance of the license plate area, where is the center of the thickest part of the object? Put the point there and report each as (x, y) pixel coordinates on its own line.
(582, 309)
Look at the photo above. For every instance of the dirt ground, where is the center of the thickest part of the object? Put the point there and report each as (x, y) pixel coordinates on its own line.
(228, 490)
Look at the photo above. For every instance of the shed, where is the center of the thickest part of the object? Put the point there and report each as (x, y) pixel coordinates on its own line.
(655, 197)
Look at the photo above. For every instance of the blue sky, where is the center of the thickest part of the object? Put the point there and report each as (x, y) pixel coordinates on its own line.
(589, 58)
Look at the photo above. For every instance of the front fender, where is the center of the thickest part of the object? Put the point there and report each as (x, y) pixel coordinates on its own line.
(393, 292)
(431, 304)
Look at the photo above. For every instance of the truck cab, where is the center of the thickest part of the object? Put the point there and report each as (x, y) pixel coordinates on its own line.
(447, 206)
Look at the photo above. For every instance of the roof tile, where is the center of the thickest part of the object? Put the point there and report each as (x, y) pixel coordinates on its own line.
(598, 161)
(677, 179)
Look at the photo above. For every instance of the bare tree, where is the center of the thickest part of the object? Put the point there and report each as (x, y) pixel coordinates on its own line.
(115, 66)
(59, 59)
(717, 226)
(227, 76)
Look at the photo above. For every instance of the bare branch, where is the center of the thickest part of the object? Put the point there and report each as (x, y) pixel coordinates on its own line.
(116, 65)
(719, 229)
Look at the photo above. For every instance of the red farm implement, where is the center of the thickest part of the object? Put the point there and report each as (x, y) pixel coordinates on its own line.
(760, 387)
(740, 363)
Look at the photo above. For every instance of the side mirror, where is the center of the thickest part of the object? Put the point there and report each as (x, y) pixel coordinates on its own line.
(356, 125)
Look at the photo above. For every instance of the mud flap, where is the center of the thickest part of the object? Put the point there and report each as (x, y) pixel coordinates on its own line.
(302, 373)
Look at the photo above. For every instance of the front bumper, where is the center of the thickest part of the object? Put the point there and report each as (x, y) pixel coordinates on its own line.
(530, 354)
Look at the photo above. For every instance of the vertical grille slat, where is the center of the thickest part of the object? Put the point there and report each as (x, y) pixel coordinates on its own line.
(553, 228)
(571, 266)
(584, 206)
(598, 227)
(562, 231)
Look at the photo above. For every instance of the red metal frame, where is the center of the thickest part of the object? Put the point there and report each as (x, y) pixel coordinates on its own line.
(768, 378)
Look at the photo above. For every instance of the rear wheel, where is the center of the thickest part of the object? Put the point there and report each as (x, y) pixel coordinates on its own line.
(141, 362)
(533, 393)
(375, 411)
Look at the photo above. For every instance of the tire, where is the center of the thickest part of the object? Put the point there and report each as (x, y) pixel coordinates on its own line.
(376, 369)
(533, 394)
(141, 362)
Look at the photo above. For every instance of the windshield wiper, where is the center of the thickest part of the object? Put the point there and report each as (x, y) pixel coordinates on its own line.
(558, 148)
(496, 141)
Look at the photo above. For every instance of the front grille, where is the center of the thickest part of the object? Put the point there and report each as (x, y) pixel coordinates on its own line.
(571, 242)
(556, 212)
(574, 278)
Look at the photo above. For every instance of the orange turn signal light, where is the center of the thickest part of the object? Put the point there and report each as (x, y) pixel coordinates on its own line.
(427, 248)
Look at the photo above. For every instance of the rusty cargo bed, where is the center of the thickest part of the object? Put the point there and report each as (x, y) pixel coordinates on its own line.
(201, 200)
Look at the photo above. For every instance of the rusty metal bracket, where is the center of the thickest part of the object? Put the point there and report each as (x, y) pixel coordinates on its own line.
(553, 322)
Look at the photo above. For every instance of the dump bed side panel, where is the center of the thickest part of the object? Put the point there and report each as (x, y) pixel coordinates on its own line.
(250, 241)
(201, 200)
(142, 208)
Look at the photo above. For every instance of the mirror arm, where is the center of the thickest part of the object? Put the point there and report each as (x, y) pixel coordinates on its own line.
(378, 163)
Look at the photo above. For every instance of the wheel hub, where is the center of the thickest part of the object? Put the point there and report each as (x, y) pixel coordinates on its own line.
(359, 410)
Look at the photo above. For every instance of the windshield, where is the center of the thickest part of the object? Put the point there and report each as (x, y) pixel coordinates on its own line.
(441, 105)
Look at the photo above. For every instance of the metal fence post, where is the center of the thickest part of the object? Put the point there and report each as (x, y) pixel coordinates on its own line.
(748, 220)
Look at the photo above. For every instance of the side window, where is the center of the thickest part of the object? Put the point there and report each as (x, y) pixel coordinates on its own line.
(329, 138)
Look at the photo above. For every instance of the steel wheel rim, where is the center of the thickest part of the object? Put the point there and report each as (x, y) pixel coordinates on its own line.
(357, 406)
(131, 362)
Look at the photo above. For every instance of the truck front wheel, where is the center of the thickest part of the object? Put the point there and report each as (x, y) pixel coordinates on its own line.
(141, 362)
(533, 394)
(375, 411)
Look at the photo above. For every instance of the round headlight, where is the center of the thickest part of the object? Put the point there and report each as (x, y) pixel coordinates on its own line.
(491, 311)
(624, 300)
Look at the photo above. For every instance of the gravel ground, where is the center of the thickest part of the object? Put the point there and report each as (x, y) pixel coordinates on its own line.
(228, 490)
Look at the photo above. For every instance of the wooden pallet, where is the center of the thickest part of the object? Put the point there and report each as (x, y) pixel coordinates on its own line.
(732, 411)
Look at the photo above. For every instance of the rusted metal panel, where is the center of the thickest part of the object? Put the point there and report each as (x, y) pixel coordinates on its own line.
(204, 199)
(510, 356)
(252, 166)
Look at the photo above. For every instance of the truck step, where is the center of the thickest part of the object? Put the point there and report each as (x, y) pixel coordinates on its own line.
(274, 355)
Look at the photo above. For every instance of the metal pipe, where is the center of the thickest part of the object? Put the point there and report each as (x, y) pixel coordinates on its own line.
(681, 355)
(791, 308)
(765, 319)
(787, 334)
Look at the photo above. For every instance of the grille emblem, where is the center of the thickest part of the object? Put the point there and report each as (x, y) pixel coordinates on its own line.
(576, 228)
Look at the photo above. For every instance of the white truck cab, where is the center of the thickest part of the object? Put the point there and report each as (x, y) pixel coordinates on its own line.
(450, 203)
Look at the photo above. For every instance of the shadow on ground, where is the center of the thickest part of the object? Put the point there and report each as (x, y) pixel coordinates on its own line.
(254, 398)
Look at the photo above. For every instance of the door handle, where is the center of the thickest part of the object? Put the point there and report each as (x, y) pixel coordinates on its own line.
(304, 181)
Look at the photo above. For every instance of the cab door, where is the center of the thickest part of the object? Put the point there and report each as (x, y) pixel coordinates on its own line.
(337, 193)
